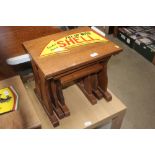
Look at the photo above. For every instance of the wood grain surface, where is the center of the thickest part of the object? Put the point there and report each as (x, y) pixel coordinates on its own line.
(76, 57)
(25, 117)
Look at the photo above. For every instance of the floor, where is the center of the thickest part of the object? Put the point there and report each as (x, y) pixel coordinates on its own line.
(132, 80)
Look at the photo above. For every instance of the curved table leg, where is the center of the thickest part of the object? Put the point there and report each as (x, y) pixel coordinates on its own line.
(46, 100)
(55, 101)
(103, 81)
(86, 86)
(94, 81)
(61, 99)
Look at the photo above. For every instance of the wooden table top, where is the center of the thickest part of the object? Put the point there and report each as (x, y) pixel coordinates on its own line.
(25, 116)
(58, 63)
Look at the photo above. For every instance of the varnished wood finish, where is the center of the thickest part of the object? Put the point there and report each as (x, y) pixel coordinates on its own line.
(61, 98)
(46, 99)
(103, 81)
(55, 100)
(81, 73)
(25, 116)
(76, 65)
(37, 80)
(78, 56)
(95, 90)
(88, 90)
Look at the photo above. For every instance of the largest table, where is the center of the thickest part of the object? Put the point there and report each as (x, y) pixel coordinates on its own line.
(87, 65)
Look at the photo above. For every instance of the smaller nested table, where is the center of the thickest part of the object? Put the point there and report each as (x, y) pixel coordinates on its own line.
(85, 65)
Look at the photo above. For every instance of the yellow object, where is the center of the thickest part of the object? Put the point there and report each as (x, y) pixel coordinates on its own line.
(8, 100)
(78, 39)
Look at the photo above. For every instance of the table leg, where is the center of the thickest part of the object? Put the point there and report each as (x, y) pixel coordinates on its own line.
(86, 87)
(103, 81)
(62, 104)
(46, 101)
(37, 81)
(55, 101)
(94, 81)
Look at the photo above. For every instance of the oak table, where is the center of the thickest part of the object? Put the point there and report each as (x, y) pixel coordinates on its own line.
(87, 65)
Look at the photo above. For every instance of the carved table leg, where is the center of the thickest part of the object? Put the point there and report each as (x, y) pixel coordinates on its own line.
(103, 81)
(61, 99)
(86, 88)
(94, 81)
(46, 101)
(55, 101)
(37, 81)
